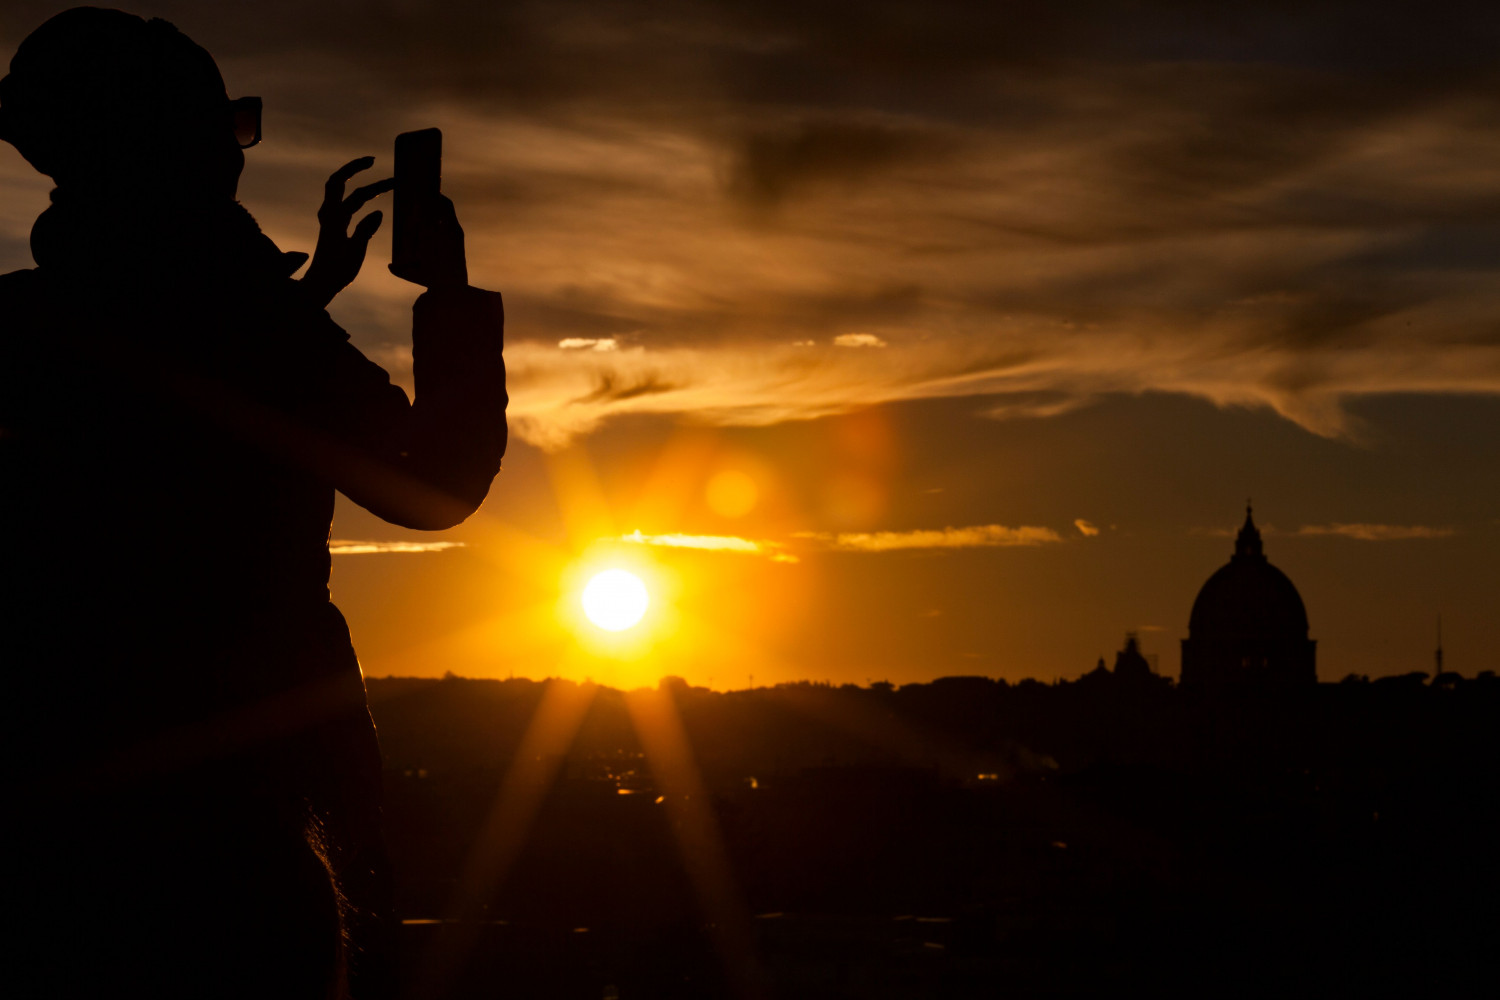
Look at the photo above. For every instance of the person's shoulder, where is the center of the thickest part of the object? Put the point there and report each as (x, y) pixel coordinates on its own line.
(23, 282)
(21, 293)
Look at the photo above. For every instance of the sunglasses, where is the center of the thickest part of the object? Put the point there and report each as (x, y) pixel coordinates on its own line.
(244, 112)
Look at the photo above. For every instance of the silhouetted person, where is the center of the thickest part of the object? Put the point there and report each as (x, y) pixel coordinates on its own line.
(185, 733)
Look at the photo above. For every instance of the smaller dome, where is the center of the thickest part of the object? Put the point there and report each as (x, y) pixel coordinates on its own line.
(1129, 662)
(1248, 599)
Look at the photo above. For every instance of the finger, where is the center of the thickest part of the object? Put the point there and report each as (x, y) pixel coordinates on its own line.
(366, 228)
(333, 188)
(357, 200)
(348, 170)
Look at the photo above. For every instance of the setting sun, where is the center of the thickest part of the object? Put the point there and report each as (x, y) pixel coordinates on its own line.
(615, 599)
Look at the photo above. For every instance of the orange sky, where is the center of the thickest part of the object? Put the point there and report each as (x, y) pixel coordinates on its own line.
(974, 327)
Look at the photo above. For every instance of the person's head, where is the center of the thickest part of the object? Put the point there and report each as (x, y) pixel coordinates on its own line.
(109, 103)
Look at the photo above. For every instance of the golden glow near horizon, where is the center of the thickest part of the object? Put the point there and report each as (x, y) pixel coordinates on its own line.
(615, 600)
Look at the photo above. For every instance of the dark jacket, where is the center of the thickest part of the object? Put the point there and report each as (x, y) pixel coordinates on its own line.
(174, 420)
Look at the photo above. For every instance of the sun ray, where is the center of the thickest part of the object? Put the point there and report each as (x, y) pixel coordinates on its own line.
(580, 496)
(509, 548)
(527, 634)
(659, 727)
(527, 782)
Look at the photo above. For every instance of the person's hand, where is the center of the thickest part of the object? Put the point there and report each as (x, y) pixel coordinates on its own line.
(340, 254)
(437, 242)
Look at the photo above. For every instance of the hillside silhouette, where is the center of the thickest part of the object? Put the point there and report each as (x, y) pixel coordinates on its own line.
(959, 838)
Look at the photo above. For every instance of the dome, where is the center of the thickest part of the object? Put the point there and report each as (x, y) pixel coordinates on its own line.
(1129, 662)
(1248, 598)
(1249, 624)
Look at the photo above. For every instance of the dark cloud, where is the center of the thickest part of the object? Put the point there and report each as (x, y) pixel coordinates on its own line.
(1467, 245)
(569, 314)
(774, 164)
(611, 389)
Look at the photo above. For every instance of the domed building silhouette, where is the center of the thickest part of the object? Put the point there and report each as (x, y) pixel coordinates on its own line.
(1130, 663)
(1248, 627)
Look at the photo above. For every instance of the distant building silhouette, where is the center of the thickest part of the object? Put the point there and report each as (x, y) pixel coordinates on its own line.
(1132, 672)
(1248, 626)
(1130, 663)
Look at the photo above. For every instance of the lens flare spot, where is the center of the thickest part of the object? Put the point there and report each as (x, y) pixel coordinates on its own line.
(731, 493)
(615, 600)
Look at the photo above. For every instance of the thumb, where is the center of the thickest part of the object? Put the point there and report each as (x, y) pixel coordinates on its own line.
(292, 260)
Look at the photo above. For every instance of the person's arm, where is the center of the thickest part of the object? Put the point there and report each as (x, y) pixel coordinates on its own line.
(427, 464)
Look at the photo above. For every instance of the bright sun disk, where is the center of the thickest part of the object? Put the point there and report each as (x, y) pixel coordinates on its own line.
(615, 599)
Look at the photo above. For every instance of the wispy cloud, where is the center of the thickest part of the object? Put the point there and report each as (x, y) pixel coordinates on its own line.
(858, 340)
(556, 396)
(1085, 528)
(978, 536)
(713, 543)
(1377, 532)
(589, 344)
(346, 547)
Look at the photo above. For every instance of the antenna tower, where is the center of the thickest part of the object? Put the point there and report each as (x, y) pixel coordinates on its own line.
(1437, 656)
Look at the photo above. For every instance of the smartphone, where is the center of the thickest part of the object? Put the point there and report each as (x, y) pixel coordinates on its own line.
(419, 175)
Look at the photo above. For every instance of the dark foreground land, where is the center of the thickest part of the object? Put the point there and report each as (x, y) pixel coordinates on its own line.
(964, 838)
